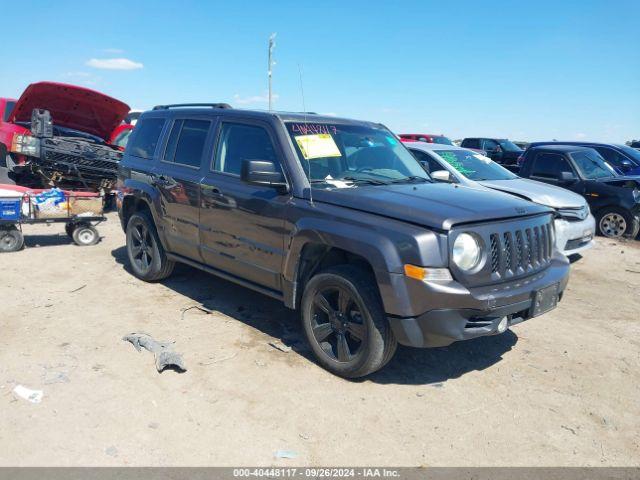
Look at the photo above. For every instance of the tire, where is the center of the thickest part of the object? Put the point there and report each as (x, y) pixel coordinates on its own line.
(147, 257)
(345, 323)
(11, 239)
(615, 222)
(85, 235)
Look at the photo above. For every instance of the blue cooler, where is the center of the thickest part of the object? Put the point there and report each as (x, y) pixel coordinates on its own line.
(10, 209)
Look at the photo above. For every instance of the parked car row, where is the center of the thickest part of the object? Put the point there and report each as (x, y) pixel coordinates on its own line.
(606, 175)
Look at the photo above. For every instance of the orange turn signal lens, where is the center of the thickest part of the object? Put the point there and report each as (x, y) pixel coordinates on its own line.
(430, 274)
(412, 271)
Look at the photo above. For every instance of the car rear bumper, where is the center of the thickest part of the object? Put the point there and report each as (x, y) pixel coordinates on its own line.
(575, 237)
(481, 309)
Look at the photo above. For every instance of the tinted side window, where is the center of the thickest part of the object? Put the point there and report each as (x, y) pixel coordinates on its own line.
(471, 143)
(186, 142)
(549, 165)
(147, 133)
(610, 155)
(490, 145)
(242, 142)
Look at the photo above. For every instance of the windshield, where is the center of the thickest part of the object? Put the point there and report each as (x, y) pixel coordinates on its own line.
(592, 165)
(509, 146)
(338, 155)
(8, 108)
(442, 140)
(474, 166)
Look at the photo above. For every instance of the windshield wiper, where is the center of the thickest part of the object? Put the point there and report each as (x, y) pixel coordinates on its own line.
(369, 181)
(411, 178)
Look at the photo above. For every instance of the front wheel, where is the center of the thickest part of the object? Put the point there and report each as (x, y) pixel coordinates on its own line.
(345, 323)
(614, 222)
(11, 239)
(147, 257)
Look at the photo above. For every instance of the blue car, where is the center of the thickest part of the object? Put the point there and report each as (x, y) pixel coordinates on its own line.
(622, 158)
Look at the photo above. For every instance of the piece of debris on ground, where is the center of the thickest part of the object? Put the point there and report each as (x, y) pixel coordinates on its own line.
(163, 351)
(278, 345)
(33, 396)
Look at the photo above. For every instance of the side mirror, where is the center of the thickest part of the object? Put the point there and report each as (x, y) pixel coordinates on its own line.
(625, 165)
(567, 177)
(442, 176)
(263, 173)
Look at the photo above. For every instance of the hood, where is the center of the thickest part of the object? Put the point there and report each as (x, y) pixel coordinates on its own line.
(72, 107)
(538, 192)
(436, 205)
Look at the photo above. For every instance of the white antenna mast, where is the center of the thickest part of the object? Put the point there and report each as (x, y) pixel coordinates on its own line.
(304, 111)
(272, 45)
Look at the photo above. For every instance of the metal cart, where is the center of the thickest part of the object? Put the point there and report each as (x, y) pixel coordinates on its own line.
(23, 210)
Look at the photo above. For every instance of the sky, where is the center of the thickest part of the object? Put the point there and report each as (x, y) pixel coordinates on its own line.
(567, 70)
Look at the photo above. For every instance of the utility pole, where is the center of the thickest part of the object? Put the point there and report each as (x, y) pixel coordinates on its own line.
(272, 45)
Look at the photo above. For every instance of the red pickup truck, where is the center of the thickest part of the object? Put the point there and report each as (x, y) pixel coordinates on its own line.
(58, 134)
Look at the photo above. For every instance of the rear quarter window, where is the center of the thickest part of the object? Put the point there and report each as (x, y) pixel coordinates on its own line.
(145, 138)
(187, 142)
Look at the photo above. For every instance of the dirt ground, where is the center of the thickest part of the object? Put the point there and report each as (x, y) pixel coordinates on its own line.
(562, 389)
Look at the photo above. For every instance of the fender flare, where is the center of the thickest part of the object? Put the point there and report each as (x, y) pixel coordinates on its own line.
(381, 253)
(143, 192)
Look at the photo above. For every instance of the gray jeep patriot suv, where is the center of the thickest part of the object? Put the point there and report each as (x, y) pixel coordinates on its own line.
(337, 219)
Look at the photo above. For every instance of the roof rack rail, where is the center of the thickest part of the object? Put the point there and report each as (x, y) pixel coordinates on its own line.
(180, 105)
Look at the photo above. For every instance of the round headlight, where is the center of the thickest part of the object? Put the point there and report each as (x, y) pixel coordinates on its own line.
(466, 252)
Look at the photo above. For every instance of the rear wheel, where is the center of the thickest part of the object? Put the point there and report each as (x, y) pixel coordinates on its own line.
(147, 257)
(614, 222)
(11, 239)
(344, 322)
(85, 235)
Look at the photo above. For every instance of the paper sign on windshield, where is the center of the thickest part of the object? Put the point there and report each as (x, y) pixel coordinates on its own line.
(317, 146)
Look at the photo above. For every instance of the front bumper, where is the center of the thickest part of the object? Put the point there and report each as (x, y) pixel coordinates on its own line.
(463, 314)
(575, 237)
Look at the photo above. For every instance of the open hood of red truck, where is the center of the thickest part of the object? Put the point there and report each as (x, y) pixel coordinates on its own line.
(72, 107)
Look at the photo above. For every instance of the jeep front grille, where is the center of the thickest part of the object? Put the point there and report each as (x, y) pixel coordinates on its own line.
(514, 249)
(529, 252)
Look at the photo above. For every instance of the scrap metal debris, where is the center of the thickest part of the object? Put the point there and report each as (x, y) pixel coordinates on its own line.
(163, 351)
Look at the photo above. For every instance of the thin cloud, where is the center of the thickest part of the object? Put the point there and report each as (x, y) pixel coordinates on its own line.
(253, 99)
(581, 135)
(114, 64)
